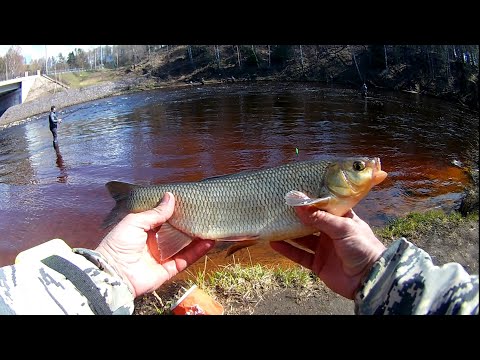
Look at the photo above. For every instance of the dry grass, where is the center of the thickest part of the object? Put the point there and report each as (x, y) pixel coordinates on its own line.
(237, 287)
(88, 78)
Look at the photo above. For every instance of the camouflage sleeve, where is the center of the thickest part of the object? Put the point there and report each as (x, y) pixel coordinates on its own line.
(31, 287)
(405, 281)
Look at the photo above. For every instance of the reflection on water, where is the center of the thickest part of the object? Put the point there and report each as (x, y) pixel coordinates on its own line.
(63, 176)
(189, 134)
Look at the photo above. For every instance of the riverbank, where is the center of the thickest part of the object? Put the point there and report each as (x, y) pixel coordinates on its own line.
(39, 106)
(121, 83)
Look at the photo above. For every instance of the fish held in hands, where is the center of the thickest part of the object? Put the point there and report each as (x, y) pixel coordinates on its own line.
(250, 206)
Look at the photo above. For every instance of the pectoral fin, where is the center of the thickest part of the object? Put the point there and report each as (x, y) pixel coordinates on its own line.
(170, 241)
(243, 244)
(297, 198)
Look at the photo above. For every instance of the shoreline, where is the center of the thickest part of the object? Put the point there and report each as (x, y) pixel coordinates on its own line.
(126, 84)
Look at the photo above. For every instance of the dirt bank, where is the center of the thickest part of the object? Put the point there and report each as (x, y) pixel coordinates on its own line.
(43, 100)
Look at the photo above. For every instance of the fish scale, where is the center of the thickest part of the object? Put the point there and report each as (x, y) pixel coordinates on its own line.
(204, 209)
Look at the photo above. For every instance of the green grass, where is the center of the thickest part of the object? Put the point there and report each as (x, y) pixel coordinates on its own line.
(250, 282)
(241, 285)
(415, 223)
(247, 283)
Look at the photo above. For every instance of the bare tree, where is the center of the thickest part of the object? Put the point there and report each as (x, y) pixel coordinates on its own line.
(190, 55)
(269, 56)
(34, 65)
(386, 63)
(15, 61)
(216, 49)
(301, 57)
(3, 66)
(255, 55)
(238, 56)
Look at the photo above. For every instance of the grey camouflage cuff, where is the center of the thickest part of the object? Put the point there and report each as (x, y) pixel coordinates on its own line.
(121, 297)
(370, 279)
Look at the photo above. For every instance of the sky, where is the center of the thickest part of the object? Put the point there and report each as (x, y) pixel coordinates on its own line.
(32, 52)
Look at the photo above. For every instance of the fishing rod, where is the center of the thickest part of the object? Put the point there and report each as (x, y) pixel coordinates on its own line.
(74, 111)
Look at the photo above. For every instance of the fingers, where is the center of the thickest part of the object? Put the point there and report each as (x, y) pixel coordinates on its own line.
(188, 256)
(310, 242)
(293, 253)
(155, 217)
(350, 214)
(325, 222)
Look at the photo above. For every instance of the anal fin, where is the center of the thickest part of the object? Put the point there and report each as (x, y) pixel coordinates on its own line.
(240, 245)
(170, 241)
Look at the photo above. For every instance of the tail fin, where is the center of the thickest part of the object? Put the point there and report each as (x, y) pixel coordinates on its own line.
(120, 192)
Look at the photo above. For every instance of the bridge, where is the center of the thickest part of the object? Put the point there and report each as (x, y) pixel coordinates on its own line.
(15, 91)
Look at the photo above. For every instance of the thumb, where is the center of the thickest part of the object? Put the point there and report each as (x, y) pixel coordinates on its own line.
(155, 217)
(331, 225)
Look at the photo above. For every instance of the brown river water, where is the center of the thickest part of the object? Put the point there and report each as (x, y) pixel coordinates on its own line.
(192, 133)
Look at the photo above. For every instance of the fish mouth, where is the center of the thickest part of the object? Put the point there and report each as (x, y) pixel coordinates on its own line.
(378, 174)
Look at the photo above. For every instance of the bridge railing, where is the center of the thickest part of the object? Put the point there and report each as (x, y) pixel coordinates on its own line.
(10, 76)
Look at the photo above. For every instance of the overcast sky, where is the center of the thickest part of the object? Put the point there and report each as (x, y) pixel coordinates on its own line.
(32, 52)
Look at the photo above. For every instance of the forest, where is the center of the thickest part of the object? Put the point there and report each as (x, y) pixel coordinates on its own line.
(446, 71)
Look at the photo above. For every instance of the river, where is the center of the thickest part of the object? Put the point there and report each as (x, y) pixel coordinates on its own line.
(187, 134)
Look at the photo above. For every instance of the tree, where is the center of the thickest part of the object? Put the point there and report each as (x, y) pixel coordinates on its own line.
(61, 62)
(301, 57)
(81, 58)
(15, 62)
(238, 56)
(281, 54)
(269, 56)
(3, 68)
(71, 60)
(255, 55)
(35, 65)
(190, 56)
(216, 50)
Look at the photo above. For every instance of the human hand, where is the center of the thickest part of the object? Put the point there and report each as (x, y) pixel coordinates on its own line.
(126, 248)
(342, 254)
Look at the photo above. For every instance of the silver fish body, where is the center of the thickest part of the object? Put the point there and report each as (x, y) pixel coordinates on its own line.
(238, 207)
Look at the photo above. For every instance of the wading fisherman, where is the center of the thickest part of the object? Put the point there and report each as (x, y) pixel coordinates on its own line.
(364, 90)
(53, 121)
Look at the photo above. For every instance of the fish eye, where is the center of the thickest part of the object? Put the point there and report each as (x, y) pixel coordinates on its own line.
(358, 165)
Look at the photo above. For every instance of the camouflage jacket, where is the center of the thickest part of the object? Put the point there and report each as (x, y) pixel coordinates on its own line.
(405, 281)
(83, 283)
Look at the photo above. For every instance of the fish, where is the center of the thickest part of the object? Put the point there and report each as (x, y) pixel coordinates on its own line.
(250, 206)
